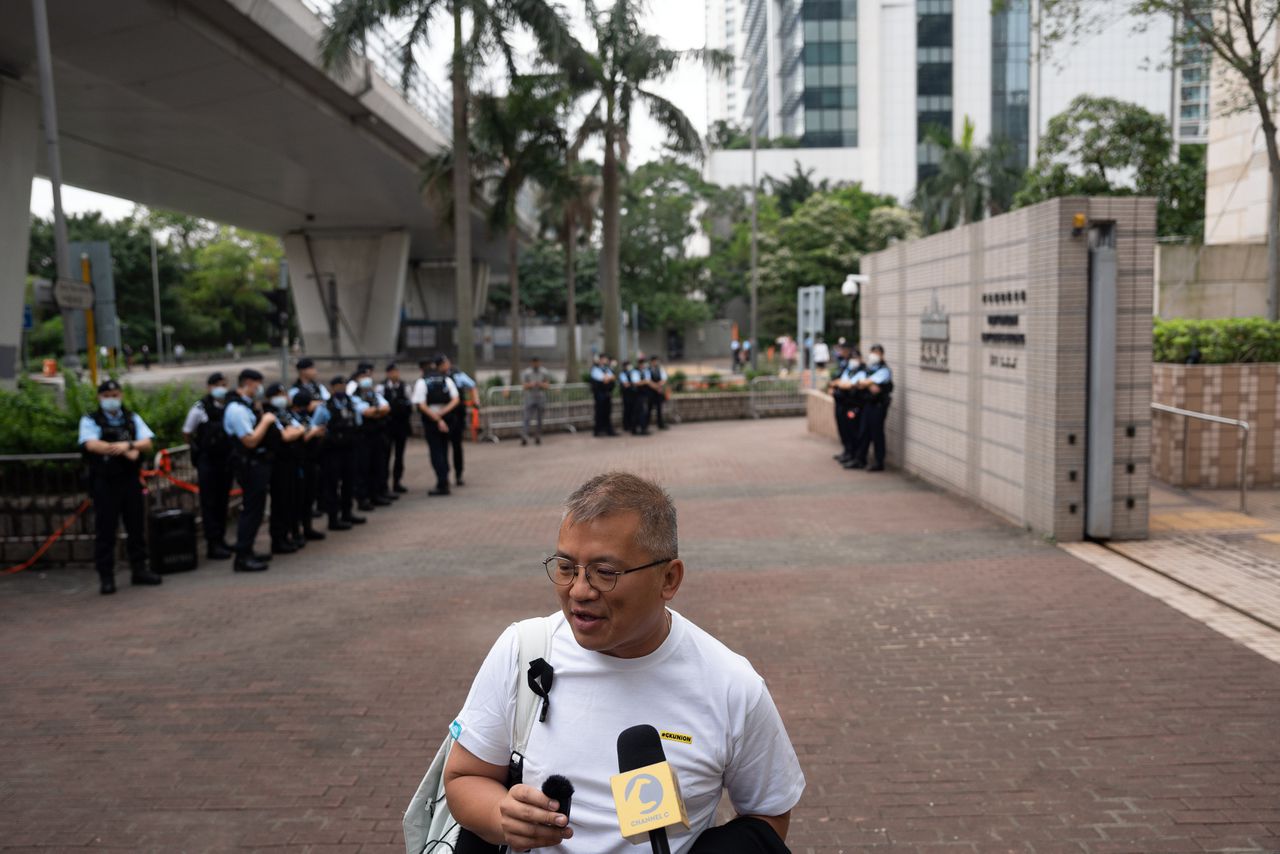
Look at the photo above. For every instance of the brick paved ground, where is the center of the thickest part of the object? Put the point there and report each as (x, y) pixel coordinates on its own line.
(952, 684)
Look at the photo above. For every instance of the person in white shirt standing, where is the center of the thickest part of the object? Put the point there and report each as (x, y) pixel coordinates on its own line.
(435, 396)
(534, 381)
(621, 657)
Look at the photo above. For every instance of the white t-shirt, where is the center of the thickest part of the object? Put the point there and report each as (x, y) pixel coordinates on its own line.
(692, 686)
(419, 393)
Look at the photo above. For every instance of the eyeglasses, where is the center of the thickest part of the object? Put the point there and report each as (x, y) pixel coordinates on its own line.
(563, 571)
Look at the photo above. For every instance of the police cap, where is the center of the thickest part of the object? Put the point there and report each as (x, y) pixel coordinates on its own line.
(338, 380)
(877, 348)
(274, 388)
(250, 374)
(302, 397)
(108, 385)
(364, 366)
(391, 366)
(216, 377)
(306, 362)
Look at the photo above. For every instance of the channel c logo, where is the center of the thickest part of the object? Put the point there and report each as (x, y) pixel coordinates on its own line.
(645, 791)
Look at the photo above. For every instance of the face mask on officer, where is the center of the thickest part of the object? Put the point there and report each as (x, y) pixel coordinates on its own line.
(219, 392)
(873, 360)
(111, 404)
(257, 391)
(366, 382)
(280, 401)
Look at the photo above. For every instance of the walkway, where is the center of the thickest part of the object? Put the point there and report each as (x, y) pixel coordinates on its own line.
(952, 684)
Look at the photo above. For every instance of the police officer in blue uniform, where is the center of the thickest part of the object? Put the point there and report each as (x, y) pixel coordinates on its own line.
(435, 396)
(656, 379)
(312, 445)
(467, 391)
(307, 381)
(286, 471)
(112, 441)
(602, 382)
(878, 387)
(627, 393)
(252, 434)
(848, 404)
(399, 397)
(340, 416)
(373, 443)
(211, 451)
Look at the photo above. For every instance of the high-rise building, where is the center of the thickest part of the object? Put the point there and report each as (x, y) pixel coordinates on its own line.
(860, 83)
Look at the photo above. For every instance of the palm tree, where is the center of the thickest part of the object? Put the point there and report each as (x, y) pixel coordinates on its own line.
(517, 139)
(971, 182)
(626, 60)
(492, 22)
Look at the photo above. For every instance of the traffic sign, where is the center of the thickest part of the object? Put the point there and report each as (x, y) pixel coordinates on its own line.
(72, 295)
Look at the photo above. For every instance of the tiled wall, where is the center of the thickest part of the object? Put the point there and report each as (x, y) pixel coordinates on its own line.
(1211, 453)
(1005, 423)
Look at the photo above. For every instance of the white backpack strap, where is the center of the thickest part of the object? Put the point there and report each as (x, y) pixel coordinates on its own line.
(535, 642)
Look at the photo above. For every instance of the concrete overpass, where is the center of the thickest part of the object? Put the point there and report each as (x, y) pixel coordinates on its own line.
(220, 109)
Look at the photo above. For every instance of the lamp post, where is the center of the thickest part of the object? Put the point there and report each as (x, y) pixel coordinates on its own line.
(852, 287)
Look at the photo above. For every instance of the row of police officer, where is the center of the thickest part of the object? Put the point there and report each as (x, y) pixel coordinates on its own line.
(642, 387)
(862, 393)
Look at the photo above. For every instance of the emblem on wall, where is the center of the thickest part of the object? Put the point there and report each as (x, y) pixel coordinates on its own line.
(935, 337)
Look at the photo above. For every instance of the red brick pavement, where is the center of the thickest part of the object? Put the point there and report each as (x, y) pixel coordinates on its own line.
(951, 683)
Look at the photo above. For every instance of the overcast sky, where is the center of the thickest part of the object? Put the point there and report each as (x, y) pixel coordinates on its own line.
(680, 23)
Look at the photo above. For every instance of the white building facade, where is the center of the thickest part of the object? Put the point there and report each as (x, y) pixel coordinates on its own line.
(860, 81)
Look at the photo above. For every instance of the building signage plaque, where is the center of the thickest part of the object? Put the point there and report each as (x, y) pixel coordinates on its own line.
(935, 337)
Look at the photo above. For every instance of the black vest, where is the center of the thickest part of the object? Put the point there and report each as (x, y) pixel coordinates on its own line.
(311, 388)
(341, 428)
(211, 439)
(886, 388)
(261, 453)
(437, 390)
(371, 425)
(125, 431)
(397, 396)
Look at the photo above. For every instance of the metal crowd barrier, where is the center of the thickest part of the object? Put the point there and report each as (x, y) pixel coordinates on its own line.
(567, 405)
(1243, 426)
(38, 494)
(775, 394)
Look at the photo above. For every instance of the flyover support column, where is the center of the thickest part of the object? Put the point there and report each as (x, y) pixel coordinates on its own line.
(19, 134)
(348, 290)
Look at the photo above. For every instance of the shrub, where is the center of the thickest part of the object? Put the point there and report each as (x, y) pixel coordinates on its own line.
(1219, 341)
(713, 381)
(678, 381)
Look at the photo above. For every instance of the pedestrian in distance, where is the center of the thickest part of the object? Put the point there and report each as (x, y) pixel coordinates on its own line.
(821, 354)
(535, 381)
(340, 418)
(211, 449)
(399, 397)
(286, 471)
(252, 434)
(112, 442)
(435, 396)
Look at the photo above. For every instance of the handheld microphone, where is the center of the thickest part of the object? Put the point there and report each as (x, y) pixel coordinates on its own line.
(646, 792)
(559, 789)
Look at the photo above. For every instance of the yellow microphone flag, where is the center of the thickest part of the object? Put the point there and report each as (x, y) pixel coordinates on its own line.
(647, 799)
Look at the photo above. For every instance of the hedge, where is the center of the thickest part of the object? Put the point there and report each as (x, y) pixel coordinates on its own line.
(1219, 341)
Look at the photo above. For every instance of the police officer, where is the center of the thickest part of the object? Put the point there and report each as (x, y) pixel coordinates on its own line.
(340, 417)
(878, 387)
(371, 447)
(602, 382)
(656, 377)
(312, 445)
(307, 381)
(211, 452)
(627, 393)
(399, 398)
(467, 392)
(113, 440)
(286, 471)
(251, 435)
(848, 405)
(435, 396)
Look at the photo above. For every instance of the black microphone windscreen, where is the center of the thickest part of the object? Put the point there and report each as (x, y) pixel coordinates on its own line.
(559, 789)
(639, 746)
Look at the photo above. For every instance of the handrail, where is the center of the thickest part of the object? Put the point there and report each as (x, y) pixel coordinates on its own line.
(1216, 419)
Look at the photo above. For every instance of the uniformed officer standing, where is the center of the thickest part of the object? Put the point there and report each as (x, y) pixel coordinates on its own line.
(878, 386)
(656, 377)
(307, 381)
(627, 393)
(602, 382)
(340, 417)
(534, 381)
(435, 396)
(312, 446)
(372, 445)
(848, 405)
(211, 452)
(398, 397)
(467, 392)
(286, 471)
(113, 440)
(251, 460)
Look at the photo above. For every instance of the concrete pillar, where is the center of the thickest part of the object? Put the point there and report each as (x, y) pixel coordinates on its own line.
(19, 134)
(366, 274)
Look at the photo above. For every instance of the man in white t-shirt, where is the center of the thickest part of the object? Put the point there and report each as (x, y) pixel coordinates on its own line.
(621, 658)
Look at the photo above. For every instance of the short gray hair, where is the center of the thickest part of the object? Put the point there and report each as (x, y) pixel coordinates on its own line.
(623, 492)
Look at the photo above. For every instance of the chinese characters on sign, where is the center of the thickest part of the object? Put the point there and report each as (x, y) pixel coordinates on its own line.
(935, 338)
(1004, 327)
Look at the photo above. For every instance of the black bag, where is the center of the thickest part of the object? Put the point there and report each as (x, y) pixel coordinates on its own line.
(173, 542)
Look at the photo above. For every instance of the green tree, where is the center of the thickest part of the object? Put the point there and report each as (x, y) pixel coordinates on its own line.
(971, 182)
(227, 286)
(1241, 37)
(491, 25)
(793, 190)
(626, 61)
(542, 283)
